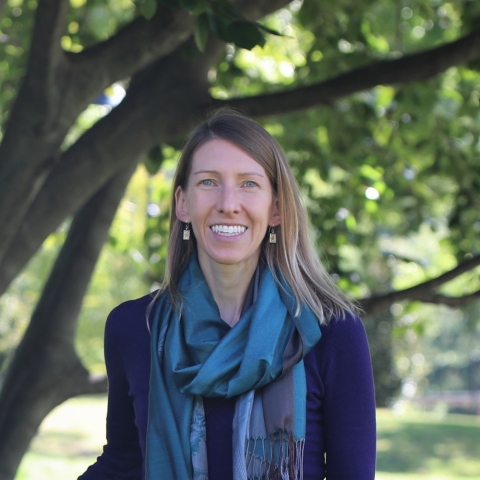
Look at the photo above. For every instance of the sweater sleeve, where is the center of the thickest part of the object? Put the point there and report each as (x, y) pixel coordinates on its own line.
(122, 457)
(348, 403)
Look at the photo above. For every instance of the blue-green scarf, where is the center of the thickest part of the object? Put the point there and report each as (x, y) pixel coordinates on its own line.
(196, 354)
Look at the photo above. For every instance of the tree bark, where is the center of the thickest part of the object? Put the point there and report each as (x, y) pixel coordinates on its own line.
(21, 174)
(45, 370)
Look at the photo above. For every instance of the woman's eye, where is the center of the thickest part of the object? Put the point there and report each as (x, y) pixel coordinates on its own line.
(250, 184)
(207, 182)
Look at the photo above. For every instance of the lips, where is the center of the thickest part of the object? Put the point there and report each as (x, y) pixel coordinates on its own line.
(228, 230)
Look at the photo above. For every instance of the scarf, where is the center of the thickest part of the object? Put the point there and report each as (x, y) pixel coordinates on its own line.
(196, 354)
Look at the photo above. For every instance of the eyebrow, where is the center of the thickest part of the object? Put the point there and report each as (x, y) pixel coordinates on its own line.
(216, 172)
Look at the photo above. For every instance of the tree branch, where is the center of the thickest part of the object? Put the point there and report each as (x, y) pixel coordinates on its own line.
(45, 50)
(428, 297)
(463, 267)
(35, 112)
(64, 291)
(424, 291)
(134, 47)
(408, 69)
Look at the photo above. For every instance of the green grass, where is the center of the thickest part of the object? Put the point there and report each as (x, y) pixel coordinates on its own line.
(424, 446)
(69, 440)
(412, 446)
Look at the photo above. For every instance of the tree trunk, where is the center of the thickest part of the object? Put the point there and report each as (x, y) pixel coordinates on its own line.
(45, 370)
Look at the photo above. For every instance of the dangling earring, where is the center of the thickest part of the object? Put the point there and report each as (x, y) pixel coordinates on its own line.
(273, 236)
(186, 232)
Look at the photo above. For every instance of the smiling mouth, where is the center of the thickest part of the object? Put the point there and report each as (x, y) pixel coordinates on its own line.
(228, 230)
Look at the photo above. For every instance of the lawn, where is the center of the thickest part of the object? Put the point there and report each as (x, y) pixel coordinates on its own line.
(69, 440)
(425, 446)
(412, 446)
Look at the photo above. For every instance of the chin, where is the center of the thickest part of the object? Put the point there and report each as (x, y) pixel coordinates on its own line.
(232, 258)
(228, 260)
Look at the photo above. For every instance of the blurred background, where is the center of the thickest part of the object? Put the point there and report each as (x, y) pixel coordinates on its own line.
(376, 104)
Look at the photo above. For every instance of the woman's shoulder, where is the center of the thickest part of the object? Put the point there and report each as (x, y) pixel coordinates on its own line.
(348, 325)
(129, 307)
(127, 341)
(343, 336)
(130, 316)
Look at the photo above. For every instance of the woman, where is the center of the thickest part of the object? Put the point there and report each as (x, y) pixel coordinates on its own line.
(259, 367)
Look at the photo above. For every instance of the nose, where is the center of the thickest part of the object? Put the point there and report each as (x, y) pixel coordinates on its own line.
(228, 201)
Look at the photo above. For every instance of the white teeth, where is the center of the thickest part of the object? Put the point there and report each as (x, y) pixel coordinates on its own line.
(228, 230)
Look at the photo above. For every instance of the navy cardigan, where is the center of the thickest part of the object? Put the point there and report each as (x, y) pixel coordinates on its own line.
(340, 441)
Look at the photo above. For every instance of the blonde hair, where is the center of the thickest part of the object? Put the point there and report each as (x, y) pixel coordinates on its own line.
(293, 256)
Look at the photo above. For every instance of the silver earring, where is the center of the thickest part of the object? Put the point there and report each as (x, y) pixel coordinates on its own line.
(273, 236)
(186, 232)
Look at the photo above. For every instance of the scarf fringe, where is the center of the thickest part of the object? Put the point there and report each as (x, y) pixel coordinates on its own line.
(275, 457)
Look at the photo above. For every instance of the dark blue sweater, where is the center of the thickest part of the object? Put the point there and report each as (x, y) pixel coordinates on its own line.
(340, 440)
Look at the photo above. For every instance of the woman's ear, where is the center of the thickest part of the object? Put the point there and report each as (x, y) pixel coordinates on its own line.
(275, 217)
(181, 208)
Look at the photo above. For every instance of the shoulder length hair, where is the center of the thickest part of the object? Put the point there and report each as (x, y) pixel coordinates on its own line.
(293, 256)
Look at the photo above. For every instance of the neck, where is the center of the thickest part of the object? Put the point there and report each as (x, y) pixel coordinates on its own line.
(229, 285)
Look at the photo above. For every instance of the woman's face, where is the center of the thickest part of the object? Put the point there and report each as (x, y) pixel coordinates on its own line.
(230, 203)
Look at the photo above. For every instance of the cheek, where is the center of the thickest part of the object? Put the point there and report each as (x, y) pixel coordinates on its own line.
(198, 206)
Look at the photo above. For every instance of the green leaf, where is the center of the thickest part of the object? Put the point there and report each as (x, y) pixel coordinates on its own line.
(147, 8)
(269, 30)
(219, 26)
(202, 29)
(242, 33)
(245, 34)
(154, 160)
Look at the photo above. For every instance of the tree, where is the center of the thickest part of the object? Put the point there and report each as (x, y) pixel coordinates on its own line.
(179, 60)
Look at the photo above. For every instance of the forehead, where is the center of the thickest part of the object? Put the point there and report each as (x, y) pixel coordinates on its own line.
(223, 156)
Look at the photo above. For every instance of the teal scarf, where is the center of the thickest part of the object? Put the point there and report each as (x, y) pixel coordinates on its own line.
(196, 354)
